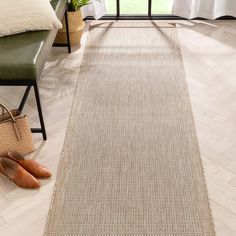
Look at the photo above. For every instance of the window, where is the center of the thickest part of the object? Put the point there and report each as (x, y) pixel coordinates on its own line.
(162, 6)
(139, 7)
(133, 7)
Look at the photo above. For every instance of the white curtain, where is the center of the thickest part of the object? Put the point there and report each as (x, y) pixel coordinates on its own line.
(96, 8)
(210, 9)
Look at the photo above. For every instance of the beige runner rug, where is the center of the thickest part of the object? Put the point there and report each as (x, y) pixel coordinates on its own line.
(131, 163)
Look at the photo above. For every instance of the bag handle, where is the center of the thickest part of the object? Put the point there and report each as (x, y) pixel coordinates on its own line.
(15, 126)
(8, 111)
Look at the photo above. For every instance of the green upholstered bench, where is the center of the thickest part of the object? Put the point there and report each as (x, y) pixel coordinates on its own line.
(23, 56)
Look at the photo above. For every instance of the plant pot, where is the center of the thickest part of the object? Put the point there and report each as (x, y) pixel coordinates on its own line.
(76, 26)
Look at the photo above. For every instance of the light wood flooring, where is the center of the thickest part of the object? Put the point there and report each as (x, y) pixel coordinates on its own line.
(209, 54)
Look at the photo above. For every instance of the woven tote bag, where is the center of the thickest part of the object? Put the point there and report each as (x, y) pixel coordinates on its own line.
(15, 133)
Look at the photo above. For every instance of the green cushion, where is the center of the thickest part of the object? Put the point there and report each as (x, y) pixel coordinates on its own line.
(22, 56)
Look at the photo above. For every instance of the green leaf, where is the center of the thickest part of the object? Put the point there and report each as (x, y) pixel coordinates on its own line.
(75, 5)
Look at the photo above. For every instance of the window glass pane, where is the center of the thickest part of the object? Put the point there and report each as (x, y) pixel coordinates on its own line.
(111, 7)
(133, 7)
(162, 6)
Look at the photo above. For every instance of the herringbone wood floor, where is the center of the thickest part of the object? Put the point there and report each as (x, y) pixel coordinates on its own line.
(209, 54)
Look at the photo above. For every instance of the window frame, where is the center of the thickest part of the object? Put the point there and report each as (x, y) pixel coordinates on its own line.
(148, 16)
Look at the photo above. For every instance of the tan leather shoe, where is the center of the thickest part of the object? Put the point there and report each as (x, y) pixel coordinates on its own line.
(17, 174)
(31, 166)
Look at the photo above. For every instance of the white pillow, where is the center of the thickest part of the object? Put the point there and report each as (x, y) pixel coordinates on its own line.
(19, 16)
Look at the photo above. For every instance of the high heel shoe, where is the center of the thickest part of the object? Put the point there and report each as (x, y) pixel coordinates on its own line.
(31, 166)
(17, 174)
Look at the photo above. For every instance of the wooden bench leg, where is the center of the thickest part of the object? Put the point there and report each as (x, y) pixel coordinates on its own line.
(40, 113)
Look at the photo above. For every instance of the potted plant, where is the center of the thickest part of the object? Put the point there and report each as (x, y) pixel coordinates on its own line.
(76, 23)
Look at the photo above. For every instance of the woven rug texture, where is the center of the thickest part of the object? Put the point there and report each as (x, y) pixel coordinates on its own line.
(131, 163)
